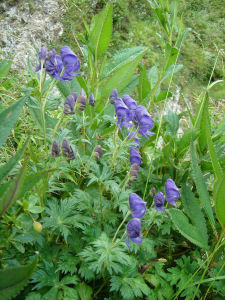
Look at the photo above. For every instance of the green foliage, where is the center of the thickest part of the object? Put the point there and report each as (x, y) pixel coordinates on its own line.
(13, 280)
(8, 118)
(219, 197)
(5, 66)
(103, 255)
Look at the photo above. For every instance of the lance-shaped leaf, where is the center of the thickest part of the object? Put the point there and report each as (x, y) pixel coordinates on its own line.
(101, 31)
(13, 280)
(121, 78)
(201, 186)
(193, 210)
(5, 66)
(8, 118)
(186, 229)
(68, 87)
(6, 168)
(219, 197)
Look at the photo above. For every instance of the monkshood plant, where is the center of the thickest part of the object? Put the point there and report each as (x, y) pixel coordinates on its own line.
(114, 214)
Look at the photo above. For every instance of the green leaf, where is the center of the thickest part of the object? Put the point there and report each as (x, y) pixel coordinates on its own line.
(121, 58)
(171, 71)
(144, 86)
(171, 56)
(131, 86)
(163, 96)
(183, 143)
(219, 197)
(201, 186)
(172, 121)
(101, 31)
(13, 280)
(84, 291)
(11, 193)
(205, 137)
(186, 229)
(68, 87)
(8, 119)
(121, 78)
(192, 209)
(6, 168)
(5, 66)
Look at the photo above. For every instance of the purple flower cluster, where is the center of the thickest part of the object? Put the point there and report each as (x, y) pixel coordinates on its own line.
(62, 67)
(172, 194)
(138, 209)
(81, 101)
(130, 114)
(66, 150)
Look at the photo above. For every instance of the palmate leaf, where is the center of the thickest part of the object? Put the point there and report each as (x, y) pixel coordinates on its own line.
(130, 284)
(13, 280)
(85, 291)
(201, 186)
(186, 229)
(8, 118)
(103, 255)
(101, 31)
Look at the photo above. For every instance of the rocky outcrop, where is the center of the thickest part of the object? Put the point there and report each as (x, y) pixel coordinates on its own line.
(25, 25)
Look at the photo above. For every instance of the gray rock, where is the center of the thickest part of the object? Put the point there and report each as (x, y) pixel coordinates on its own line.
(26, 25)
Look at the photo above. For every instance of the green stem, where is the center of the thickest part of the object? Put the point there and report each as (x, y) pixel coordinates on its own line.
(121, 224)
(100, 203)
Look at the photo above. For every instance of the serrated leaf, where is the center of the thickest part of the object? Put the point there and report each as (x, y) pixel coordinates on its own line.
(84, 291)
(219, 196)
(121, 78)
(183, 143)
(6, 168)
(201, 186)
(101, 32)
(13, 280)
(8, 118)
(186, 229)
(121, 58)
(144, 86)
(192, 209)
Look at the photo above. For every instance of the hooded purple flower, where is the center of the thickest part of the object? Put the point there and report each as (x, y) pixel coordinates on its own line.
(123, 114)
(91, 99)
(70, 103)
(53, 64)
(137, 206)
(67, 150)
(134, 172)
(130, 103)
(42, 53)
(143, 120)
(70, 62)
(159, 202)
(134, 232)
(132, 135)
(135, 156)
(55, 149)
(172, 192)
(113, 96)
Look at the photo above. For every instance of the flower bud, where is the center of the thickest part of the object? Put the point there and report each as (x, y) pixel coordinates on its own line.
(81, 100)
(67, 150)
(42, 53)
(152, 192)
(134, 172)
(70, 103)
(91, 99)
(113, 96)
(37, 227)
(55, 149)
(98, 152)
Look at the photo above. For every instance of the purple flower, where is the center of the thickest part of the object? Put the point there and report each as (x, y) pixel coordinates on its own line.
(42, 53)
(91, 99)
(130, 102)
(134, 232)
(55, 149)
(137, 206)
(81, 100)
(113, 96)
(172, 192)
(159, 202)
(67, 150)
(143, 120)
(98, 152)
(132, 135)
(70, 103)
(70, 62)
(123, 114)
(134, 172)
(135, 156)
(53, 64)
